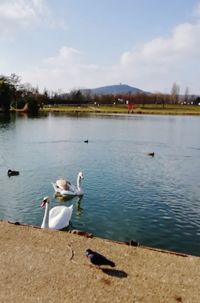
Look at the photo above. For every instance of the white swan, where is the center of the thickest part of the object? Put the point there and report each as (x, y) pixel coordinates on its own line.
(57, 217)
(66, 189)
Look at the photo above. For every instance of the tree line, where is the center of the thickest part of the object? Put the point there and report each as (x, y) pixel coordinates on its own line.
(15, 95)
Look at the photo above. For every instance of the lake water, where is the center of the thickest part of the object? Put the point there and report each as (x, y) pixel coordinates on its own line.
(128, 194)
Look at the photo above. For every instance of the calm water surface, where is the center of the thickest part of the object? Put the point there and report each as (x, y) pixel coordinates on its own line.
(128, 195)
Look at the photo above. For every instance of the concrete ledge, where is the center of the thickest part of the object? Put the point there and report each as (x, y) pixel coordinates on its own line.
(50, 266)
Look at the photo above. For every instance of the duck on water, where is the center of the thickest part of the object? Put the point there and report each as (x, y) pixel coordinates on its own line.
(13, 173)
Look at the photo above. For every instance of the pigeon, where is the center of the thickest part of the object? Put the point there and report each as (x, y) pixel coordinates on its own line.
(98, 259)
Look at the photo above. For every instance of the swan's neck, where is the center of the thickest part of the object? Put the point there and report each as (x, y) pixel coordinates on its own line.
(45, 222)
(79, 183)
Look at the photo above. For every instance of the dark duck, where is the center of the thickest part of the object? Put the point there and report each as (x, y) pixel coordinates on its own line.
(151, 154)
(13, 173)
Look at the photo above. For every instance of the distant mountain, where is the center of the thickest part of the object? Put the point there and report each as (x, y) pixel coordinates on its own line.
(113, 89)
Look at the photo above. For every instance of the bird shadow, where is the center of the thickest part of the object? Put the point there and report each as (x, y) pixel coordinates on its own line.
(115, 273)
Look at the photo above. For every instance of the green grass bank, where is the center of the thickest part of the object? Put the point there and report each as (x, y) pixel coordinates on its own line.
(122, 109)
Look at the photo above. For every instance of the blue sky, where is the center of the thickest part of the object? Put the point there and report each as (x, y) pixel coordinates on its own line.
(62, 45)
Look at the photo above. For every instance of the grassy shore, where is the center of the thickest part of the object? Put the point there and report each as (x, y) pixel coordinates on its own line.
(122, 109)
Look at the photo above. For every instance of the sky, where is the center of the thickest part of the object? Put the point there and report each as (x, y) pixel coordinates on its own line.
(63, 45)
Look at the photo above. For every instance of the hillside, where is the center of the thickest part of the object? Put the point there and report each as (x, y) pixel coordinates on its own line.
(113, 89)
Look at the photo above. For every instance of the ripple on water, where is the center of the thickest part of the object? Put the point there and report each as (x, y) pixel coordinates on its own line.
(128, 195)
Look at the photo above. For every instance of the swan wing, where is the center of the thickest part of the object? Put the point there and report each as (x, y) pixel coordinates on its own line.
(63, 184)
(71, 191)
(72, 188)
(59, 217)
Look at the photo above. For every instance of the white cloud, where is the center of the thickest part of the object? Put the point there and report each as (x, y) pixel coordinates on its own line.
(184, 42)
(162, 61)
(154, 66)
(17, 15)
(21, 9)
(66, 56)
(66, 70)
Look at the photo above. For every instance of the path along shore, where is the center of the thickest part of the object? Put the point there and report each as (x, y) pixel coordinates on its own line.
(40, 265)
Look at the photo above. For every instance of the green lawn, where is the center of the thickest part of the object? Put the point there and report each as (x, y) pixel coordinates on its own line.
(146, 109)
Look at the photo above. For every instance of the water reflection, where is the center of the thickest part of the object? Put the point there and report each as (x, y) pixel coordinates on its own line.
(79, 208)
(4, 119)
(76, 201)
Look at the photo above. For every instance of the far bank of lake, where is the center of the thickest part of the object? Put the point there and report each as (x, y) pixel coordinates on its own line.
(122, 109)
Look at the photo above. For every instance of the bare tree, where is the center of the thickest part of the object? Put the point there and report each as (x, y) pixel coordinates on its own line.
(186, 96)
(175, 93)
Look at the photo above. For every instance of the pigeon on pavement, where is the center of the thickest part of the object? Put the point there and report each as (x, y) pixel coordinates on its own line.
(98, 259)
